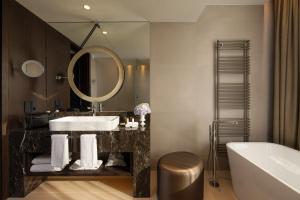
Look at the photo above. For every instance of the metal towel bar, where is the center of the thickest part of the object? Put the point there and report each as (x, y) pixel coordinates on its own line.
(232, 59)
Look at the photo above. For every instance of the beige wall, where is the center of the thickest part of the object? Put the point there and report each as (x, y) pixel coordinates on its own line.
(124, 99)
(181, 81)
(142, 82)
(135, 88)
(104, 76)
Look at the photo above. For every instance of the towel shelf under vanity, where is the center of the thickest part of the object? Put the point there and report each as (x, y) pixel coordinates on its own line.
(25, 144)
(102, 171)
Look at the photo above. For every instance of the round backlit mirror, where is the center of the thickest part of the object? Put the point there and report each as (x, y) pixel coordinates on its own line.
(95, 74)
(33, 68)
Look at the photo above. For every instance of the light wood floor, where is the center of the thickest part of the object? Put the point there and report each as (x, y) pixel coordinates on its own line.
(114, 188)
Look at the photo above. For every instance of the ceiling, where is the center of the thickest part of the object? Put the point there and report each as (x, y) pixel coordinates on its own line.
(129, 39)
(125, 10)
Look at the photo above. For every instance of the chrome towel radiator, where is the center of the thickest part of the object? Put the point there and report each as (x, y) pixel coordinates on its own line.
(232, 92)
(231, 117)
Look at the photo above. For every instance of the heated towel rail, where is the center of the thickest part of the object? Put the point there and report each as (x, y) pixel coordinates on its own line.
(231, 92)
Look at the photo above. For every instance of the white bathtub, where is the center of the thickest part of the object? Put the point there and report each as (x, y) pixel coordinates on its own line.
(264, 171)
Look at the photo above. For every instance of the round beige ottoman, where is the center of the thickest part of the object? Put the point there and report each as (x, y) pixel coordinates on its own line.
(180, 177)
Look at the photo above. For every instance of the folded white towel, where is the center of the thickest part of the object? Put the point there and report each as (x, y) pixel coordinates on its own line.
(44, 159)
(41, 159)
(59, 150)
(77, 165)
(44, 168)
(88, 151)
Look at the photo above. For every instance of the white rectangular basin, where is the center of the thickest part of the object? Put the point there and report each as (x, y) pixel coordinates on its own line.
(84, 123)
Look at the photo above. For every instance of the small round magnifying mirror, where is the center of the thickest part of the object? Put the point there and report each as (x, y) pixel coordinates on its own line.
(33, 68)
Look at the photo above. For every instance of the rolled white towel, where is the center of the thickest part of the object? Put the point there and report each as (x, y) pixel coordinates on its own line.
(44, 168)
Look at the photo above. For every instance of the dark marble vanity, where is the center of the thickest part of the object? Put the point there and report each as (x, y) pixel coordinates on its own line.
(25, 144)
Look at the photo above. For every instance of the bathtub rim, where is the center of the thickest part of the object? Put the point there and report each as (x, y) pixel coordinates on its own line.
(229, 144)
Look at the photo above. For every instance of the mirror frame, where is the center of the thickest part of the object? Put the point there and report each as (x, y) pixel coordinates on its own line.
(96, 49)
(37, 63)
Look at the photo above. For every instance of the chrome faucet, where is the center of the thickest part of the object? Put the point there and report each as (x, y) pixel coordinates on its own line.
(94, 110)
(213, 140)
(100, 106)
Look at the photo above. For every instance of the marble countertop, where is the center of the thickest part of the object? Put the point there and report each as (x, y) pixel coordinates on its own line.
(46, 129)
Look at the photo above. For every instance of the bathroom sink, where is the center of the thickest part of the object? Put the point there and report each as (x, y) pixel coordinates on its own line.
(84, 123)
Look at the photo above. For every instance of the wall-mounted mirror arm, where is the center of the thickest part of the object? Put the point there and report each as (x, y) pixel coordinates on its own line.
(60, 77)
(96, 25)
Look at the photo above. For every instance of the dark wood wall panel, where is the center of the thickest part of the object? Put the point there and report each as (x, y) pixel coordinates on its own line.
(26, 41)
(4, 106)
(58, 58)
(25, 36)
(3, 60)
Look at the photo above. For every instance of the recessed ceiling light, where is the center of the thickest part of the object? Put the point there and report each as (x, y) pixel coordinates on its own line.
(87, 7)
(104, 32)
